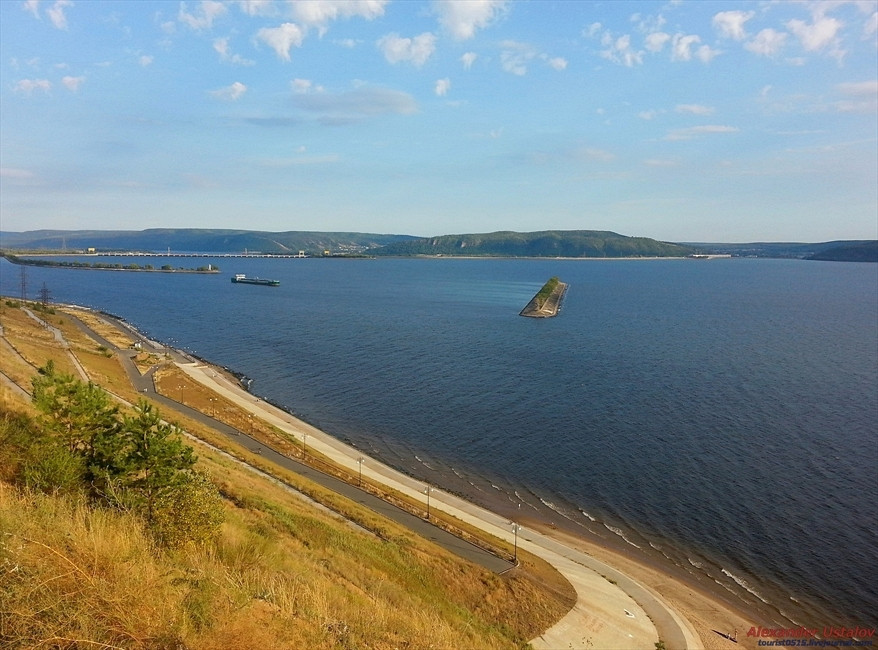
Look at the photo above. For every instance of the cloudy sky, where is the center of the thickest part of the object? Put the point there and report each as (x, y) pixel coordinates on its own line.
(683, 121)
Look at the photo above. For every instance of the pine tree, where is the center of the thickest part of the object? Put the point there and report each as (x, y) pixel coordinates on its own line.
(152, 457)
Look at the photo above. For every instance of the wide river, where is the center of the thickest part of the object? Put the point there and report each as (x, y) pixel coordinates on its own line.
(721, 415)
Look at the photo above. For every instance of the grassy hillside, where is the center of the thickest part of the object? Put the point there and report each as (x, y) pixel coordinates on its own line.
(77, 572)
(549, 243)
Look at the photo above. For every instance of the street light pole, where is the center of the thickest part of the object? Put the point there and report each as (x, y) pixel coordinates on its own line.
(360, 463)
(515, 529)
(304, 445)
(427, 491)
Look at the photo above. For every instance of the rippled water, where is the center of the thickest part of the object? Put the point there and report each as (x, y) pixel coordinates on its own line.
(721, 414)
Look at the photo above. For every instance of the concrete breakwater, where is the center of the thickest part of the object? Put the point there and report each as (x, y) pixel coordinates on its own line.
(547, 301)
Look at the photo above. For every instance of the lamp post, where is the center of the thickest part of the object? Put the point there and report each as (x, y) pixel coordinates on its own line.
(304, 445)
(360, 463)
(181, 393)
(515, 529)
(427, 491)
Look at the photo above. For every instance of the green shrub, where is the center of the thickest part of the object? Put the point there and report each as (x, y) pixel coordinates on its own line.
(191, 513)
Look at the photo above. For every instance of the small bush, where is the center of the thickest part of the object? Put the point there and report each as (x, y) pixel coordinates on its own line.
(191, 513)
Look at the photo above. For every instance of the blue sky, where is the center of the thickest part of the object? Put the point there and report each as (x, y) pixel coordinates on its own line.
(682, 121)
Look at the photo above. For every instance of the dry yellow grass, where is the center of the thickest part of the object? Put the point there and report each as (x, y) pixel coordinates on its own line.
(103, 327)
(282, 574)
(36, 344)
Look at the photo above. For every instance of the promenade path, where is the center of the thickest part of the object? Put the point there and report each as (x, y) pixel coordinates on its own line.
(612, 610)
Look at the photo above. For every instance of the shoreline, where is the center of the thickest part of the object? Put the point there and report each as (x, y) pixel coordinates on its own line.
(706, 606)
(707, 613)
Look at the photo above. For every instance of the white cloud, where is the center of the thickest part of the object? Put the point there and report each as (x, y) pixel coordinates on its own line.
(256, 7)
(463, 17)
(816, 36)
(660, 162)
(355, 105)
(870, 28)
(556, 63)
(730, 24)
(221, 46)
(655, 41)
(514, 57)
(706, 54)
(768, 42)
(203, 17)
(56, 13)
(302, 86)
(347, 42)
(415, 50)
(282, 38)
(694, 109)
(442, 86)
(32, 6)
(72, 83)
(317, 13)
(693, 131)
(468, 59)
(864, 97)
(145, 60)
(681, 47)
(592, 30)
(619, 50)
(593, 153)
(647, 115)
(28, 86)
(859, 88)
(230, 93)
(16, 174)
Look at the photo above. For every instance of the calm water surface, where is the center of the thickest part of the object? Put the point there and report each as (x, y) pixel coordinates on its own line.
(720, 415)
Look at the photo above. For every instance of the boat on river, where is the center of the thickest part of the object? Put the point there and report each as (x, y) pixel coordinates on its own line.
(240, 278)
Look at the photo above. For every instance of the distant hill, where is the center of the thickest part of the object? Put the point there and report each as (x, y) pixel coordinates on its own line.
(547, 243)
(199, 240)
(790, 250)
(857, 252)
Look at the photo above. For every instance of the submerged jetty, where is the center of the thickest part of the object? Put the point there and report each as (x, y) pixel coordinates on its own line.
(547, 302)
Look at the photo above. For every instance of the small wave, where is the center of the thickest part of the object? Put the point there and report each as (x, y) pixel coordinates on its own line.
(695, 563)
(586, 515)
(521, 500)
(456, 473)
(496, 487)
(475, 486)
(726, 587)
(790, 618)
(743, 583)
(620, 533)
(425, 464)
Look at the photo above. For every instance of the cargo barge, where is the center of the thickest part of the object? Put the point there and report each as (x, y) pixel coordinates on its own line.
(240, 278)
